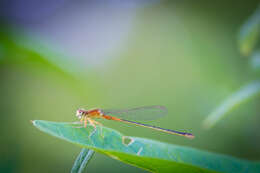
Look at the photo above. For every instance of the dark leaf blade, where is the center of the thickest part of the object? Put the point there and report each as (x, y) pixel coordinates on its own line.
(144, 153)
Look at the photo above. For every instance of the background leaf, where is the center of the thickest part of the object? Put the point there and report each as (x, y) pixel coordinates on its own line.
(244, 94)
(255, 60)
(18, 49)
(144, 153)
(249, 34)
(82, 160)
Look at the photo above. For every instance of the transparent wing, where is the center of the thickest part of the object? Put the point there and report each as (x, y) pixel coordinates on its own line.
(141, 113)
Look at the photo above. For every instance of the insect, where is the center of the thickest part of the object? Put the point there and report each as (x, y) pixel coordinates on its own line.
(122, 115)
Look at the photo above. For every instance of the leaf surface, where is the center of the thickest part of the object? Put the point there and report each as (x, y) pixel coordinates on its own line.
(148, 154)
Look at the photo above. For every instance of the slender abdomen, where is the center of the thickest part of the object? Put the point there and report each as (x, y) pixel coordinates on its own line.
(188, 135)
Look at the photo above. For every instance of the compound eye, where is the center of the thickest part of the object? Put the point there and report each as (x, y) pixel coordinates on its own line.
(79, 113)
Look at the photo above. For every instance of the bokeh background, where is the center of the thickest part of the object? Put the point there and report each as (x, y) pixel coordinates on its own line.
(58, 56)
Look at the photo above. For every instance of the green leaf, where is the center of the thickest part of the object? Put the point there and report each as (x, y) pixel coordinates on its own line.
(19, 49)
(255, 60)
(237, 98)
(82, 160)
(148, 154)
(249, 34)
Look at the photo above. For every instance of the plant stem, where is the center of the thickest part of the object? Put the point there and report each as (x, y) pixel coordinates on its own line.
(82, 160)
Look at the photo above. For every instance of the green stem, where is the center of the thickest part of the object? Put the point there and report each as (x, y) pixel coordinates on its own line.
(82, 160)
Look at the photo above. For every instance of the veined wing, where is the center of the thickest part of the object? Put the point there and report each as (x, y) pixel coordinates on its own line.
(141, 113)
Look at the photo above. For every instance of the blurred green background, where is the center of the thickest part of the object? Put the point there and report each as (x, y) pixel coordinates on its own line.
(58, 57)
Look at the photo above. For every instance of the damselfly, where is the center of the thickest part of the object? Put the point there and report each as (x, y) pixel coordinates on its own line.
(123, 115)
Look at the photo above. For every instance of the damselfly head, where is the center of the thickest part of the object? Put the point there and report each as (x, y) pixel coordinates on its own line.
(79, 113)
